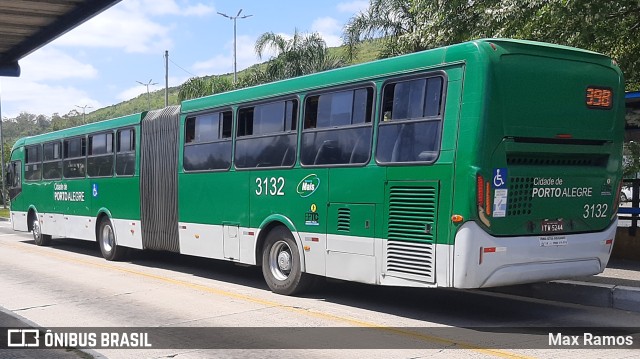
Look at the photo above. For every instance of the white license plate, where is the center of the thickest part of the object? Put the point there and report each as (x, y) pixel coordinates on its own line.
(552, 226)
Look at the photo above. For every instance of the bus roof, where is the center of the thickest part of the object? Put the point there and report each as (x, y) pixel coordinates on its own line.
(473, 51)
(123, 121)
(424, 60)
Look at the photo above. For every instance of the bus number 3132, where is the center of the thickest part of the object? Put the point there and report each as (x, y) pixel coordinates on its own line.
(270, 186)
(595, 210)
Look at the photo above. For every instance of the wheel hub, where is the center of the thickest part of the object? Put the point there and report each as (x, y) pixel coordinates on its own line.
(284, 261)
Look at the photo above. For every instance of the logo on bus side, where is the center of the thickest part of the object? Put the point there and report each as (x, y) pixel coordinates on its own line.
(60, 193)
(308, 185)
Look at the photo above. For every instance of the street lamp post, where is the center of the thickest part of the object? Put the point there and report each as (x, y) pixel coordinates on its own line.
(84, 108)
(234, 18)
(147, 85)
(4, 203)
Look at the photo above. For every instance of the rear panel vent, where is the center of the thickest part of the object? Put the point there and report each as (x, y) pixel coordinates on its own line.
(411, 230)
(520, 195)
(557, 160)
(411, 260)
(412, 213)
(344, 219)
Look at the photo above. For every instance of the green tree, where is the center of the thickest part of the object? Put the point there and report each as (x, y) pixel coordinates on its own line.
(203, 86)
(194, 87)
(631, 163)
(395, 21)
(301, 55)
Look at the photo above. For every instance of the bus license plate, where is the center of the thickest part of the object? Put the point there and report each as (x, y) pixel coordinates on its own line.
(552, 226)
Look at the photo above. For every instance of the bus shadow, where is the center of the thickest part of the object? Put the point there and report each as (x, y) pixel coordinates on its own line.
(451, 307)
(198, 266)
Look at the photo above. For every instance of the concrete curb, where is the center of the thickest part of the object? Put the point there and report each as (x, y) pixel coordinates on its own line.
(583, 293)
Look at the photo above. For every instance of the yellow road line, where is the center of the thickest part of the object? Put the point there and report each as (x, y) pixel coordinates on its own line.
(268, 303)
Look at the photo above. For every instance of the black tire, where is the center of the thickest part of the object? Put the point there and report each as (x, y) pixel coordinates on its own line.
(623, 197)
(281, 265)
(38, 237)
(111, 251)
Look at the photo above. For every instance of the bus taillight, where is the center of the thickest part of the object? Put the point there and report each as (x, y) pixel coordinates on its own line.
(487, 202)
(480, 190)
(483, 194)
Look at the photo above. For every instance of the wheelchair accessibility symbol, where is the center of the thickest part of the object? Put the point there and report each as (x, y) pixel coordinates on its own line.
(499, 178)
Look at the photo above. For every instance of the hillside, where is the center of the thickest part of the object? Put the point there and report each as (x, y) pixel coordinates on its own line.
(367, 52)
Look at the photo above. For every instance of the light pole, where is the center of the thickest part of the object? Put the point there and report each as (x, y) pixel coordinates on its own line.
(84, 108)
(234, 18)
(4, 203)
(147, 85)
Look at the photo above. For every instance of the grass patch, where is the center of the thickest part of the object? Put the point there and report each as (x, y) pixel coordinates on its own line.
(4, 212)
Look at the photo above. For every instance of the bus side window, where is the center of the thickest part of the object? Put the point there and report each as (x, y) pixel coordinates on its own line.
(207, 144)
(100, 158)
(33, 165)
(74, 164)
(410, 127)
(267, 135)
(52, 162)
(337, 128)
(125, 152)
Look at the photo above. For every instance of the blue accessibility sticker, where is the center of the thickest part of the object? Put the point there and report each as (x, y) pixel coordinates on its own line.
(499, 178)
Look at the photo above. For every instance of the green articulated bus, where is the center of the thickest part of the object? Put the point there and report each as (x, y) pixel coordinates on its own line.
(482, 164)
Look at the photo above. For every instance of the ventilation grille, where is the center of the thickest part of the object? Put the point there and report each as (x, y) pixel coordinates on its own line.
(557, 160)
(520, 191)
(344, 219)
(411, 213)
(411, 260)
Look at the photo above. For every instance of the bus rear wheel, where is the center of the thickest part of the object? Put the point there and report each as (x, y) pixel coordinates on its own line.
(281, 265)
(111, 251)
(38, 237)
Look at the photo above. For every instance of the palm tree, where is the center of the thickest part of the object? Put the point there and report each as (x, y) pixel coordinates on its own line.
(202, 86)
(301, 55)
(388, 19)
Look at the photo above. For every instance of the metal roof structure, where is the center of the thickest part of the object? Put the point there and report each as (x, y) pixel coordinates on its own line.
(27, 25)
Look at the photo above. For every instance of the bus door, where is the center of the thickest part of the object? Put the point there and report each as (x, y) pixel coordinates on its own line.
(54, 222)
(13, 181)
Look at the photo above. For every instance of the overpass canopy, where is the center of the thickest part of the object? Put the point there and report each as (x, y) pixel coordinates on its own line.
(27, 25)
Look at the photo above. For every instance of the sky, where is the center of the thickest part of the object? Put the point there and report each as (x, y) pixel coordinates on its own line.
(100, 62)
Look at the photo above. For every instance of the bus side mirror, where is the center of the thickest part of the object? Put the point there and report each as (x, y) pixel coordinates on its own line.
(7, 175)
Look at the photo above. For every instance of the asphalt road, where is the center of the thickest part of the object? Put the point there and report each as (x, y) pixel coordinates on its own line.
(70, 285)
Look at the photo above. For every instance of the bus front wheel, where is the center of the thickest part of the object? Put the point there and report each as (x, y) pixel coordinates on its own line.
(107, 240)
(281, 265)
(38, 237)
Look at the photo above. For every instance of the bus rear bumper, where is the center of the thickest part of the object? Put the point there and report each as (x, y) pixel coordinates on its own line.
(481, 260)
